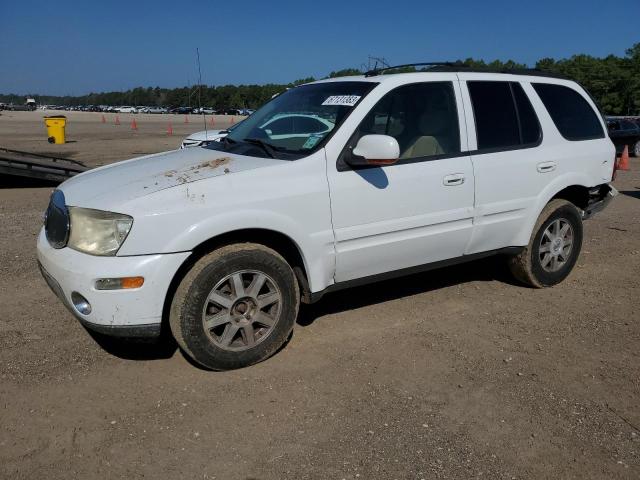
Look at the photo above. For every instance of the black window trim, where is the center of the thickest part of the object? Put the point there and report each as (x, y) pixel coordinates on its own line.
(343, 166)
(521, 146)
(581, 139)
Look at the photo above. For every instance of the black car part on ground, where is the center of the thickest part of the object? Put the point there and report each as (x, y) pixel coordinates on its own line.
(42, 167)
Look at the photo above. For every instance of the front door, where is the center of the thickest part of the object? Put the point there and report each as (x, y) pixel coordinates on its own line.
(417, 211)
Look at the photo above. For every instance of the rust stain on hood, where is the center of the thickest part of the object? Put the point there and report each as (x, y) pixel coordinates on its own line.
(183, 176)
(213, 163)
(194, 172)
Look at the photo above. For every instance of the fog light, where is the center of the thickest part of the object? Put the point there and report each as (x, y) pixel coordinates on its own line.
(119, 283)
(81, 303)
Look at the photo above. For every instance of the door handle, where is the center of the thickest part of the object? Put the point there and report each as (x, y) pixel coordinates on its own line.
(453, 180)
(544, 167)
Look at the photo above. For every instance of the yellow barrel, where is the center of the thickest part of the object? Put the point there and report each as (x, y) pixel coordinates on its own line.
(55, 128)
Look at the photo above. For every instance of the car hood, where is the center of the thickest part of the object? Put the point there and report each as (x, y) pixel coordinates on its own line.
(121, 182)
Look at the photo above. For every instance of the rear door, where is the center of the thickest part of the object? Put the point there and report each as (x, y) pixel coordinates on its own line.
(510, 165)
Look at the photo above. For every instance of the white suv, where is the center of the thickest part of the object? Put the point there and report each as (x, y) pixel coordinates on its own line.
(414, 171)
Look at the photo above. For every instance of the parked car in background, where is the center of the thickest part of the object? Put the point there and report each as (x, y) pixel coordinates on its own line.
(297, 125)
(205, 110)
(157, 110)
(203, 138)
(624, 133)
(142, 109)
(229, 111)
(181, 110)
(127, 109)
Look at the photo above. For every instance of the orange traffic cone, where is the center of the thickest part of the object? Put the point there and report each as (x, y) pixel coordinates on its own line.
(134, 125)
(212, 122)
(117, 122)
(623, 164)
(232, 121)
(104, 120)
(186, 119)
(169, 130)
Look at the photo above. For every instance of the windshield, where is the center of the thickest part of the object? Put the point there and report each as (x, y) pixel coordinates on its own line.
(295, 122)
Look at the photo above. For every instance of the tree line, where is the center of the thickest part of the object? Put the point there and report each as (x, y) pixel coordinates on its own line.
(613, 81)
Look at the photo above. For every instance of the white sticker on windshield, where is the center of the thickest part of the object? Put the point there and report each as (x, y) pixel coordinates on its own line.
(342, 100)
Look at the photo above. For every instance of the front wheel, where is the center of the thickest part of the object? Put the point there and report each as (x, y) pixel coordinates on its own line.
(554, 247)
(635, 151)
(235, 307)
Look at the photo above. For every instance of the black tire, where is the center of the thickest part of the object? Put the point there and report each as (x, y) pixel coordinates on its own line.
(527, 266)
(192, 302)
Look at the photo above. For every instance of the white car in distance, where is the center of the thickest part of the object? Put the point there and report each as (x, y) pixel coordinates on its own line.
(405, 172)
(127, 109)
(278, 127)
(203, 138)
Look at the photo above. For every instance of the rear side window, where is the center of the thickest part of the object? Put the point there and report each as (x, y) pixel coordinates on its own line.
(504, 116)
(529, 126)
(573, 116)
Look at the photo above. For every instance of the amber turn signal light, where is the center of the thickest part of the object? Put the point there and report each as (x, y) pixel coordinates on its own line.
(119, 283)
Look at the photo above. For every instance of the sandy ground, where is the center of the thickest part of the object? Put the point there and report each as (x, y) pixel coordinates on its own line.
(459, 373)
(96, 143)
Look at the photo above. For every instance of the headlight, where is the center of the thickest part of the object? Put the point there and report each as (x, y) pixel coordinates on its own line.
(97, 232)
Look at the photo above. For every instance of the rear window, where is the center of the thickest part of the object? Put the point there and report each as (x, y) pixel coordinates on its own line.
(571, 113)
(504, 116)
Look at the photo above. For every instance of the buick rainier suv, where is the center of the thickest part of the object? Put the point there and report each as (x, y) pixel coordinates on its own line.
(330, 184)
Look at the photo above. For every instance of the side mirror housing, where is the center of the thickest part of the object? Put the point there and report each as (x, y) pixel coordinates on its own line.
(374, 150)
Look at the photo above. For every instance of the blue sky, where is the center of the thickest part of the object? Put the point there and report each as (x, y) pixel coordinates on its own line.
(75, 47)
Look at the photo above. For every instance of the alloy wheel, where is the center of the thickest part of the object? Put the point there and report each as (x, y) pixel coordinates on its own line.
(556, 245)
(241, 310)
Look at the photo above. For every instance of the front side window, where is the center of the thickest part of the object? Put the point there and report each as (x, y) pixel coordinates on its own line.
(422, 117)
(571, 113)
(296, 122)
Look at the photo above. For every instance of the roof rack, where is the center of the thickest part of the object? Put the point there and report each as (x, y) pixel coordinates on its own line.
(463, 67)
(378, 71)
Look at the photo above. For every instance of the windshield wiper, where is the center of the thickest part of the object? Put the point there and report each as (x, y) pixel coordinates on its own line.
(267, 147)
(227, 141)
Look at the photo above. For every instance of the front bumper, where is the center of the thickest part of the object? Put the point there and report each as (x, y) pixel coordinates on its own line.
(126, 313)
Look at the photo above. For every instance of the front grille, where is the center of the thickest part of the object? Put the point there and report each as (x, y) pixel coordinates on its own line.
(56, 221)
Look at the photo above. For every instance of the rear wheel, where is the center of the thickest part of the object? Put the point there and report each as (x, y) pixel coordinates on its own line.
(635, 151)
(235, 307)
(554, 246)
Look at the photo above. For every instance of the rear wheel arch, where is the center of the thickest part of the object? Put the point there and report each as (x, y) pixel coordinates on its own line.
(576, 194)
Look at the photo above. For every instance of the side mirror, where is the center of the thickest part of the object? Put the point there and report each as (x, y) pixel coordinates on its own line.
(374, 150)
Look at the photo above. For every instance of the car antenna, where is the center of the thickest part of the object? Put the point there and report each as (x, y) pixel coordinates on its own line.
(204, 118)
